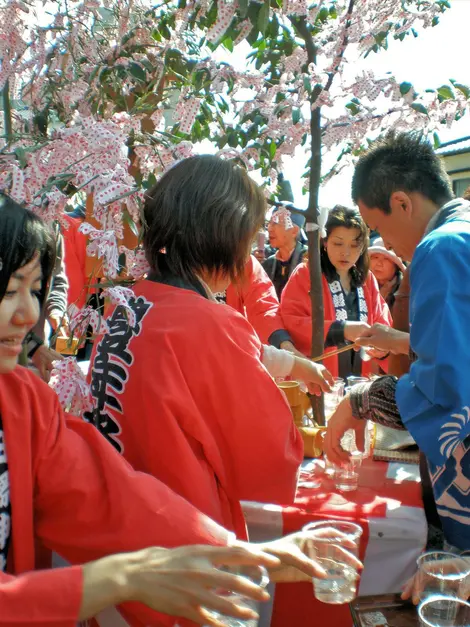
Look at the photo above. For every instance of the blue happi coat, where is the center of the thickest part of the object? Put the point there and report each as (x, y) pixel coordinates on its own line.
(434, 398)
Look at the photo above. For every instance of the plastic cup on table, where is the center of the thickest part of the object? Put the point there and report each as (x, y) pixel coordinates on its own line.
(444, 611)
(327, 544)
(259, 576)
(346, 476)
(353, 380)
(443, 573)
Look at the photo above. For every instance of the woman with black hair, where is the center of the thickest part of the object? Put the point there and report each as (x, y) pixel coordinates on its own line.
(181, 390)
(351, 296)
(61, 483)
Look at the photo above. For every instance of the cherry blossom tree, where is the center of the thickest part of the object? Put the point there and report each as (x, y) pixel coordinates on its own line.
(100, 97)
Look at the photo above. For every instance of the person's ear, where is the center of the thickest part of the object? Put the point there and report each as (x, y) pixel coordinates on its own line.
(401, 204)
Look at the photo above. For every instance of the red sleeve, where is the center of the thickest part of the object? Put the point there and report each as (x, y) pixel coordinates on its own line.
(260, 300)
(260, 445)
(380, 312)
(75, 261)
(90, 503)
(41, 598)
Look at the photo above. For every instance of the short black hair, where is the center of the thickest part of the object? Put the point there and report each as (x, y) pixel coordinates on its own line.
(349, 219)
(204, 213)
(23, 235)
(400, 162)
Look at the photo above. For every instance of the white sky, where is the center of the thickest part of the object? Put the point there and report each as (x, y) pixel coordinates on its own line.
(428, 61)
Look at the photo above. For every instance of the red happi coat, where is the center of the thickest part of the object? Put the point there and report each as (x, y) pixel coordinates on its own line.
(296, 312)
(70, 490)
(75, 262)
(184, 396)
(255, 297)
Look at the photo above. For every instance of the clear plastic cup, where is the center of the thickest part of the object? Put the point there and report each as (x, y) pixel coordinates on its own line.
(332, 399)
(444, 611)
(346, 476)
(442, 573)
(327, 538)
(260, 577)
(353, 380)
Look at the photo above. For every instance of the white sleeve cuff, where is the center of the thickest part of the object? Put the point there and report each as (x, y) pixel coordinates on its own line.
(278, 362)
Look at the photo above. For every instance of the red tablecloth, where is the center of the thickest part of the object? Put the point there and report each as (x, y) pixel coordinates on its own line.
(387, 505)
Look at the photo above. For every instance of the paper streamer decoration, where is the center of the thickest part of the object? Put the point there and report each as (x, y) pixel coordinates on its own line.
(69, 383)
(224, 19)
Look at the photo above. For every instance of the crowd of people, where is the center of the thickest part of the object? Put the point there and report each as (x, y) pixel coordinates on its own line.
(142, 494)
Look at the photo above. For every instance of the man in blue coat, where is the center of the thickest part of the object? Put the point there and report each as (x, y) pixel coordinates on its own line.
(403, 192)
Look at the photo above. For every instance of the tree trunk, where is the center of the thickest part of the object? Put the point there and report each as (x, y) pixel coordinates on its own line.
(316, 290)
(7, 121)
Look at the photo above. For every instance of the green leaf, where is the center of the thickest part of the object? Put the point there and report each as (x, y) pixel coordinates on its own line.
(436, 140)
(405, 88)
(352, 106)
(137, 72)
(232, 140)
(295, 116)
(285, 189)
(228, 44)
(263, 17)
(464, 89)
(272, 149)
(323, 14)
(165, 31)
(445, 92)
(417, 106)
(243, 7)
(21, 156)
(132, 225)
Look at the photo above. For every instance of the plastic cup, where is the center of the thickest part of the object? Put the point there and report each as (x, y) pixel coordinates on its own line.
(339, 587)
(346, 476)
(332, 399)
(259, 576)
(443, 611)
(355, 380)
(443, 573)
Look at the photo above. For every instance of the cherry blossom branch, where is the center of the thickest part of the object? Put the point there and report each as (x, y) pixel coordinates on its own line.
(344, 45)
(377, 116)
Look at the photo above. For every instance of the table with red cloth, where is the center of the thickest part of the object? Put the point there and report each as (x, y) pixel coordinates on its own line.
(389, 508)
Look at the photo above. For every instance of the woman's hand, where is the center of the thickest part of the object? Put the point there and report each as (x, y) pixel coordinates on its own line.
(353, 330)
(44, 359)
(385, 338)
(375, 353)
(315, 376)
(297, 555)
(180, 582)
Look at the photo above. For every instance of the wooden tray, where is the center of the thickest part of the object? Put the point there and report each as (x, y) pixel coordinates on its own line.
(383, 610)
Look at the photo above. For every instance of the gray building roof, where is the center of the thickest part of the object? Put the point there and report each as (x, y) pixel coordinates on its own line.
(455, 147)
